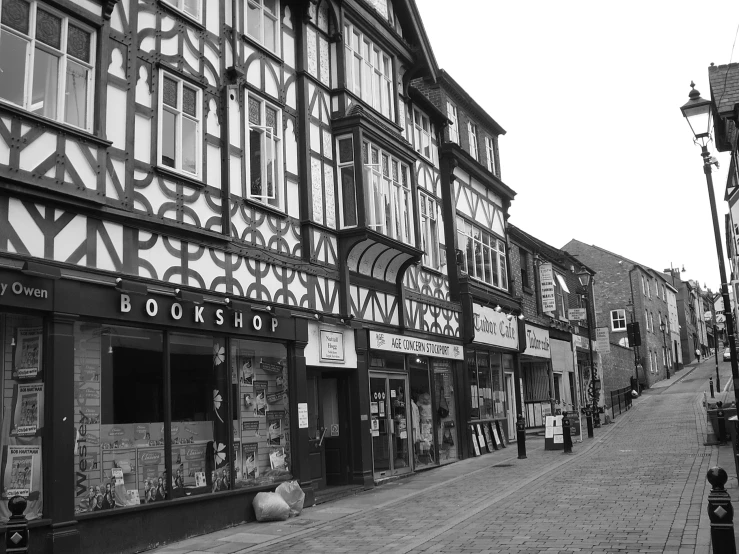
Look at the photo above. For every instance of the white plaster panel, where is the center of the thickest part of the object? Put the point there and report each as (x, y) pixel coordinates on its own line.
(378, 272)
(328, 179)
(290, 96)
(234, 120)
(288, 49)
(291, 147)
(160, 258)
(148, 44)
(315, 138)
(4, 152)
(28, 231)
(204, 266)
(116, 117)
(204, 211)
(154, 196)
(365, 264)
(104, 259)
(271, 85)
(169, 46)
(270, 281)
(239, 222)
(244, 277)
(312, 53)
(228, 51)
(119, 168)
(212, 125)
(212, 17)
(320, 252)
(317, 189)
(36, 152)
(143, 93)
(213, 154)
(463, 205)
(142, 139)
(293, 206)
(254, 73)
(324, 62)
(235, 184)
(212, 56)
(116, 22)
(70, 238)
(498, 226)
(116, 64)
(287, 20)
(76, 157)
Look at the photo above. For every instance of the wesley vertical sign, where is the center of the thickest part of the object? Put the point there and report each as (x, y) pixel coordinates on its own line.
(546, 280)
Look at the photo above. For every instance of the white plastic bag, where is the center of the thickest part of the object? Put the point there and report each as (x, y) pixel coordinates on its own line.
(291, 493)
(269, 506)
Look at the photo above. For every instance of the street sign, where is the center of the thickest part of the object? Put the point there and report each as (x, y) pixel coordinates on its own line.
(708, 316)
(577, 314)
(601, 339)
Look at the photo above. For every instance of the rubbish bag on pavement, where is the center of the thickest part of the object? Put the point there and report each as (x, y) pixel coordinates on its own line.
(291, 493)
(269, 506)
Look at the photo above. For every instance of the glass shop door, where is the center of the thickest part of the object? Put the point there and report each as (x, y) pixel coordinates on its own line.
(389, 424)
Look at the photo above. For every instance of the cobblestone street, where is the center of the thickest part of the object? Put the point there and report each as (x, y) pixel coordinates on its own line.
(638, 486)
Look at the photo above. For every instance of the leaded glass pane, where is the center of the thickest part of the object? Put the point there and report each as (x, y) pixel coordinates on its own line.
(16, 15)
(404, 175)
(49, 28)
(270, 115)
(395, 171)
(254, 107)
(78, 43)
(189, 101)
(375, 156)
(346, 151)
(169, 94)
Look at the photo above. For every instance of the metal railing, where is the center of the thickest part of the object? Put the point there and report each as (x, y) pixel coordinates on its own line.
(620, 398)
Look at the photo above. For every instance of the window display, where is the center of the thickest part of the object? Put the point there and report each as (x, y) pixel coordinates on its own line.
(487, 395)
(422, 420)
(261, 412)
(446, 430)
(22, 412)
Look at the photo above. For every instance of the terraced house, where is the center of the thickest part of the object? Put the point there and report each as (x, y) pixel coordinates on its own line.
(239, 244)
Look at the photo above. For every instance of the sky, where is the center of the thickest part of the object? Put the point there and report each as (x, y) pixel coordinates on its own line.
(589, 94)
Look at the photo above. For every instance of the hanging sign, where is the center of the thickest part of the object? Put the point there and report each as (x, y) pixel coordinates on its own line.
(577, 314)
(494, 328)
(537, 342)
(413, 345)
(602, 342)
(546, 286)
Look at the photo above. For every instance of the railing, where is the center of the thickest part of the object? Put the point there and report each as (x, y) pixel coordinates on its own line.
(622, 399)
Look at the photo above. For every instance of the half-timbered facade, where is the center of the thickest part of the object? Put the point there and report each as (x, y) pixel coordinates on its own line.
(225, 235)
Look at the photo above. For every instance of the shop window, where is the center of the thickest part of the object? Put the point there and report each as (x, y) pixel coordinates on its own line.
(422, 418)
(261, 412)
(47, 62)
(22, 404)
(488, 401)
(443, 396)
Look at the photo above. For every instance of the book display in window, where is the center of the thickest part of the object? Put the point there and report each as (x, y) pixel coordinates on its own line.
(28, 409)
(28, 353)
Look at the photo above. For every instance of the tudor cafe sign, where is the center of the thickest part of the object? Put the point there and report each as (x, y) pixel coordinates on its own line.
(494, 328)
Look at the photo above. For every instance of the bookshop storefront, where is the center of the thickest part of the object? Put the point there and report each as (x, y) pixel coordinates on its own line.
(161, 408)
(413, 406)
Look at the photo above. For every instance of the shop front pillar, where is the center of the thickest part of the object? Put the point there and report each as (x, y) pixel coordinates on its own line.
(359, 392)
(59, 441)
(298, 386)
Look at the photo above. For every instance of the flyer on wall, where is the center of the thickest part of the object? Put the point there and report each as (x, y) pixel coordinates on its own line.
(270, 365)
(20, 471)
(251, 470)
(277, 459)
(245, 363)
(28, 409)
(274, 427)
(260, 398)
(28, 353)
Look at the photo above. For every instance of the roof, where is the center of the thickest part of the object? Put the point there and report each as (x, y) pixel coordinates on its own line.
(556, 254)
(423, 39)
(724, 83)
(469, 102)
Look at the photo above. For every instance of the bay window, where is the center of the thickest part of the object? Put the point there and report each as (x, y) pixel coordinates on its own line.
(262, 22)
(368, 71)
(47, 62)
(265, 153)
(180, 116)
(484, 254)
(429, 230)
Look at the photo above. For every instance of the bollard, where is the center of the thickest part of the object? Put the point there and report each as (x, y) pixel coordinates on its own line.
(16, 530)
(721, 423)
(521, 437)
(710, 384)
(721, 513)
(566, 435)
(589, 419)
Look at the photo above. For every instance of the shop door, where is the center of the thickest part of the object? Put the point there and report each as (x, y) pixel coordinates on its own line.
(327, 429)
(389, 425)
(510, 389)
(316, 431)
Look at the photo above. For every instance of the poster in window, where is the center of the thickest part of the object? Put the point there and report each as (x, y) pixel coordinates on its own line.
(28, 409)
(250, 467)
(271, 365)
(237, 461)
(260, 398)
(21, 477)
(245, 364)
(274, 427)
(28, 353)
(277, 459)
(250, 428)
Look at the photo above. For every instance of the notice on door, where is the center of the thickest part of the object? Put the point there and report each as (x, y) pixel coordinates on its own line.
(302, 415)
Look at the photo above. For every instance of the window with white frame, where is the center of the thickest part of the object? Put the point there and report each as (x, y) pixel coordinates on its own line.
(180, 109)
(387, 194)
(651, 322)
(265, 153)
(262, 22)
(618, 320)
(429, 230)
(490, 154)
(422, 134)
(560, 296)
(656, 288)
(347, 182)
(484, 254)
(646, 319)
(643, 290)
(472, 136)
(369, 73)
(193, 8)
(47, 61)
(451, 113)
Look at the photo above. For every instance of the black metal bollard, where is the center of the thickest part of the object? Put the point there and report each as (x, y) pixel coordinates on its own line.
(566, 435)
(721, 513)
(589, 420)
(521, 437)
(721, 423)
(710, 384)
(16, 531)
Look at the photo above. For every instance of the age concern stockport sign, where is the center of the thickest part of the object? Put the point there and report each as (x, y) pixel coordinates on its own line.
(493, 328)
(413, 345)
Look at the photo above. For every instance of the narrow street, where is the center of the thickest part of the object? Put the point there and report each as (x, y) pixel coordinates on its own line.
(638, 486)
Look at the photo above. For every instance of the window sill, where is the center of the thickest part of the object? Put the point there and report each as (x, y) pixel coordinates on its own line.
(527, 289)
(174, 174)
(63, 128)
(265, 207)
(179, 13)
(385, 119)
(437, 272)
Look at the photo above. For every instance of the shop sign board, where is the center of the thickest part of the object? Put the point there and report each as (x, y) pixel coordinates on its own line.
(602, 342)
(494, 328)
(330, 345)
(577, 314)
(537, 342)
(23, 291)
(546, 286)
(412, 345)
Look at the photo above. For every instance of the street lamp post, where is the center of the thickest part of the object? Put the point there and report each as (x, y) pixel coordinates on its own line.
(698, 113)
(708, 318)
(586, 280)
(662, 328)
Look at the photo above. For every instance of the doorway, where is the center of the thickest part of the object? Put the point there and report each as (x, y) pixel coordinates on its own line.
(328, 428)
(389, 424)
